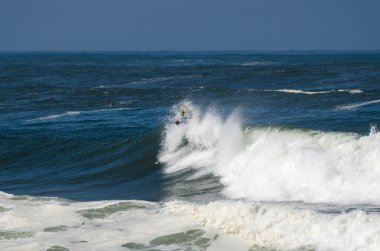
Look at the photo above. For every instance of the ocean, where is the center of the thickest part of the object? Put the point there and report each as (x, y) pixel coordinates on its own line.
(276, 151)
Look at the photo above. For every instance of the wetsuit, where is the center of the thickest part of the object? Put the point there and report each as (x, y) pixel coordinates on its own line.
(182, 110)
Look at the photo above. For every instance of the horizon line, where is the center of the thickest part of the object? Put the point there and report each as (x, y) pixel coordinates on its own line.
(192, 51)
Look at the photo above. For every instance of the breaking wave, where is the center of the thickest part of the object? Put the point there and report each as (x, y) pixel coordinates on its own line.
(275, 164)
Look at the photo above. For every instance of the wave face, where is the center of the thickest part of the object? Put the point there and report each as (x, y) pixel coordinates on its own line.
(276, 164)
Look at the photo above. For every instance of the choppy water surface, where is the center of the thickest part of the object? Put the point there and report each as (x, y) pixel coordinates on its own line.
(278, 151)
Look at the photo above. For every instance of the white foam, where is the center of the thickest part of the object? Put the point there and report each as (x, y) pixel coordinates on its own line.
(269, 164)
(54, 116)
(354, 106)
(227, 225)
(353, 91)
(35, 224)
(301, 91)
(286, 227)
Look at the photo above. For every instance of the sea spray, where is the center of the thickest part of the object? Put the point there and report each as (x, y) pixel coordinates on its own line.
(373, 130)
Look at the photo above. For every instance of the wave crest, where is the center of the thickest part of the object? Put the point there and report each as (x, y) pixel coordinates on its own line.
(310, 92)
(357, 105)
(73, 113)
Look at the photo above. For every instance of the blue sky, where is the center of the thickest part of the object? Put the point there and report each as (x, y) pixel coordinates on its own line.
(119, 25)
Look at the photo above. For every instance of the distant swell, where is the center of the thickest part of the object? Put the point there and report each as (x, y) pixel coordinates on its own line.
(354, 106)
(273, 164)
(73, 113)
(257, 63)
(310, 92)
(147, 81)
(300, 91)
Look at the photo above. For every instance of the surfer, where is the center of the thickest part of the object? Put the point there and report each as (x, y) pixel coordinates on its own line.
(182, 112)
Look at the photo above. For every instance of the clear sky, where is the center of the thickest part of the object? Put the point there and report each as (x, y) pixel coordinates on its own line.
(189, 25)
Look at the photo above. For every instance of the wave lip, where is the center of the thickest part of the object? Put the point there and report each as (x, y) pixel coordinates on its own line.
(272, 164)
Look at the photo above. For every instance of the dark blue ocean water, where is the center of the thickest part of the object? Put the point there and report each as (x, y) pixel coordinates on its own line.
(89, 126)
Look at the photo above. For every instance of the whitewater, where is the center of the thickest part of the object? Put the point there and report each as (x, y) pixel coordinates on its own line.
(37, 223)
